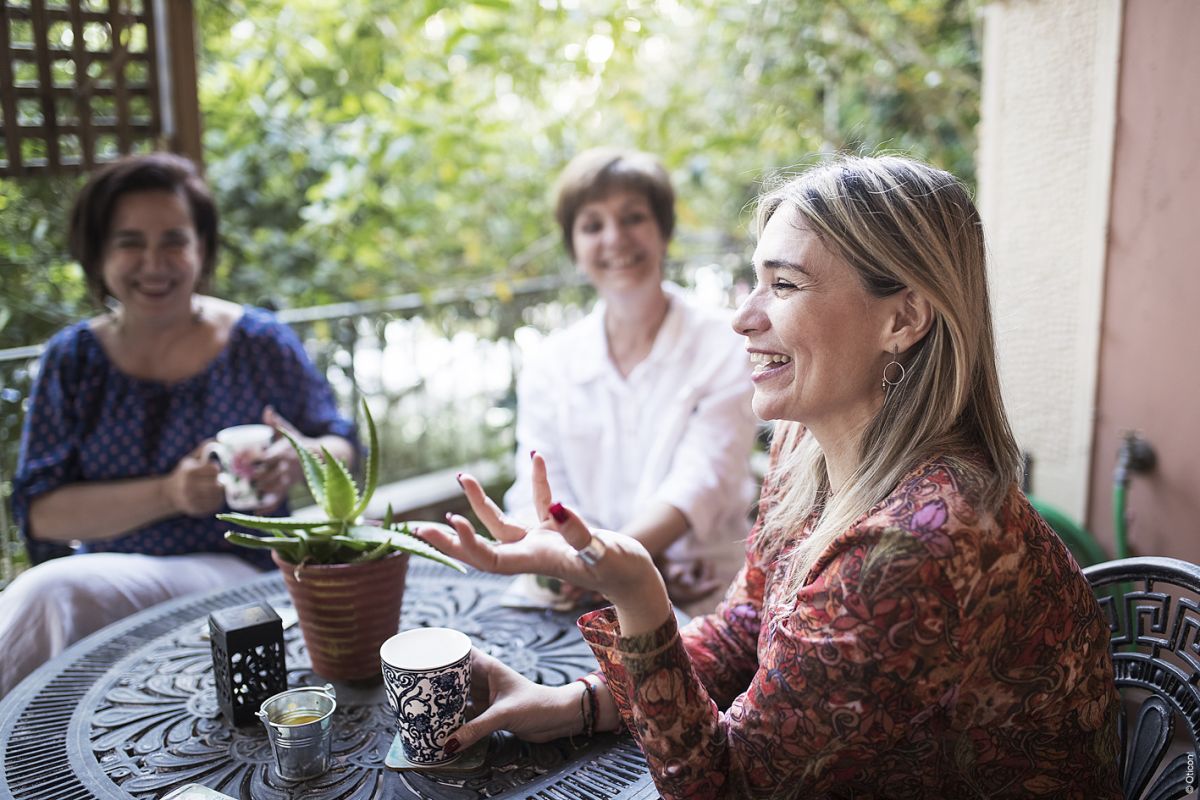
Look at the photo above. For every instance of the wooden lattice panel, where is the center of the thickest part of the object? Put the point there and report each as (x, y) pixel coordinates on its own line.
(80, 81)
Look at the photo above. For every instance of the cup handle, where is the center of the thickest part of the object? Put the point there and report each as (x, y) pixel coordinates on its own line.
(224, 458)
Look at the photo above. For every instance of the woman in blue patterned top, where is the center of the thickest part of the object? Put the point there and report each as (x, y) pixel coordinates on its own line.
(113, 449)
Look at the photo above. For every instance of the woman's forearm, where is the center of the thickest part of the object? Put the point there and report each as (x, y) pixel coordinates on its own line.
(100, 510)
(645, 610)
(657, 527)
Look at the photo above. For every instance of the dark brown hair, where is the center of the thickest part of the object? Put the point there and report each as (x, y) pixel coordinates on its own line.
(91, 215)
(594, 173)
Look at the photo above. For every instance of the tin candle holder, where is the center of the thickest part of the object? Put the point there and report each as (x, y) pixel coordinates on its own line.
(299, 723)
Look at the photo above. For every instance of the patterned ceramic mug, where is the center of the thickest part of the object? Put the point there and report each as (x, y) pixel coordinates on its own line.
(427, 679)
(239, 449)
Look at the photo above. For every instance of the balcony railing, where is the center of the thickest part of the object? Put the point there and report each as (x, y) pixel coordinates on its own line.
(437, 369)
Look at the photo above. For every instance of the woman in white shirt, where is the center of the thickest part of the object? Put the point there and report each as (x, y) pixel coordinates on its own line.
(642, 408)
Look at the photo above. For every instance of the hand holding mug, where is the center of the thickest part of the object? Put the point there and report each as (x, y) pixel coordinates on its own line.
(504, 699)
(240, 450)
(193, 488)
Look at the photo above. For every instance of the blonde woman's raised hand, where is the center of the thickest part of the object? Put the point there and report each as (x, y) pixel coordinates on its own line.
(612, 564)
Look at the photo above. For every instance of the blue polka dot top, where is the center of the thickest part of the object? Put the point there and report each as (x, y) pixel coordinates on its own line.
(88, 421)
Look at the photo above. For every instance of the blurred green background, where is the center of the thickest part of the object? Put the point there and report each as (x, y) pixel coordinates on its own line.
(363, 148)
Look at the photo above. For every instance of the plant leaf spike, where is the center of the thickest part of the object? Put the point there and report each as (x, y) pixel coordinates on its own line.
(342, 536)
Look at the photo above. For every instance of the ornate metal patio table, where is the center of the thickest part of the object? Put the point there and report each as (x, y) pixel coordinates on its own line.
(131, 711)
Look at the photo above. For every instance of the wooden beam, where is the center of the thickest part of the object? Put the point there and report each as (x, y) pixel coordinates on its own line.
(152, 77)
(12, 137)
(113, 125)
(120, 50)
(98, 88)
(181, 47)
(41, 42)
(83, 102)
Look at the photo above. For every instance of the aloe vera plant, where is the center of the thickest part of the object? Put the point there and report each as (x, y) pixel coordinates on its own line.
(342, 536)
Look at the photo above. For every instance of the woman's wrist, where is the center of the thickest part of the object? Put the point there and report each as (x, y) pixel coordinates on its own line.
(644, 609)
(165, 496)
(567, 710)
(608, 716)
(588, 706)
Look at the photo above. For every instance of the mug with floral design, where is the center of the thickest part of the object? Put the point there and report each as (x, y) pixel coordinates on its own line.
(239, 449)
(427, 680)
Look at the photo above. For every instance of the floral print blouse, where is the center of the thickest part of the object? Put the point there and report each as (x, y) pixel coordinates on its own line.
(970, 660)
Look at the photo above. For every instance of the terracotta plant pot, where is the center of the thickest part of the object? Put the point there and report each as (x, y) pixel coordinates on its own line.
(347, 611)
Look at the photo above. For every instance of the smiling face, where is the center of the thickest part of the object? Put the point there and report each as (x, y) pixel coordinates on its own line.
(617, 242)
(152, 256)
(815, 334)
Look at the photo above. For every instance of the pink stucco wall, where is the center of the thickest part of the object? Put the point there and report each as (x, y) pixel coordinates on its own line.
(1149, 375)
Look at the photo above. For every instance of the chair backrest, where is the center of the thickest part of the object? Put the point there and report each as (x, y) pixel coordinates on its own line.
(1153, 610)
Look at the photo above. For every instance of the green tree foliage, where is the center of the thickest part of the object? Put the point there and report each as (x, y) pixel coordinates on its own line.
(368, 147)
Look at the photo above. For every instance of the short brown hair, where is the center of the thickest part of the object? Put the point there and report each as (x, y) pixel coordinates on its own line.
(594, 173)
(91, 215)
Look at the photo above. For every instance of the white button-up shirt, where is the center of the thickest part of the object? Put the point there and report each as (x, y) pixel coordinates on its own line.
(679, 429)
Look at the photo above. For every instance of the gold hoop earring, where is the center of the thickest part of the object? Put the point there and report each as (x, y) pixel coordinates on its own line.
(888, 382)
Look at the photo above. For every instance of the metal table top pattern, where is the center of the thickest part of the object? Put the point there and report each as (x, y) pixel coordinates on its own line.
(131, 712)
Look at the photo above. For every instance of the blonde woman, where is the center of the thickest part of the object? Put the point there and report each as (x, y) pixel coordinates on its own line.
(905, 625)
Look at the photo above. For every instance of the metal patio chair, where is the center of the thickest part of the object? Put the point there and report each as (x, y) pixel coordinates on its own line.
(1153, 610)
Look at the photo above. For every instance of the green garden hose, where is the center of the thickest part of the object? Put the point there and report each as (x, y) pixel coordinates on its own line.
(1120, 532)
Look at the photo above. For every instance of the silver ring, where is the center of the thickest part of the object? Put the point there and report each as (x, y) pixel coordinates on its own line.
(592, 553)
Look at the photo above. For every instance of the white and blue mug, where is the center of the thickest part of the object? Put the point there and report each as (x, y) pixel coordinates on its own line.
(427, 680)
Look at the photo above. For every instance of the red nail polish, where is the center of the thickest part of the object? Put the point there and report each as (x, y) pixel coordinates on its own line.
(458, 478)
(532, 453)
(558, 512)
(452, 747)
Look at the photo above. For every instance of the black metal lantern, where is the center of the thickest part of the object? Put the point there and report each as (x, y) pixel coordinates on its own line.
(249, 664)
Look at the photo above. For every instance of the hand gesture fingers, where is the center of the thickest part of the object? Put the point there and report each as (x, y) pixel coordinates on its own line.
(463, 544)
(542, 498)
(539, 552)
(573, 530)
(562, 546)
(496, 522)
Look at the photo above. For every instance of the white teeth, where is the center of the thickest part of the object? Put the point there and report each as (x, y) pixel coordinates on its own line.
(767, 359)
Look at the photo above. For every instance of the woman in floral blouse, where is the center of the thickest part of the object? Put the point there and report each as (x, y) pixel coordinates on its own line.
(905, 624)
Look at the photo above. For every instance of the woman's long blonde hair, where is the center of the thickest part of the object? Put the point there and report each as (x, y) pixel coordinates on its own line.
(898, 223)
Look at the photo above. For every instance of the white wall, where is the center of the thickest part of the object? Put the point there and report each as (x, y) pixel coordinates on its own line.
(1050, 70)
